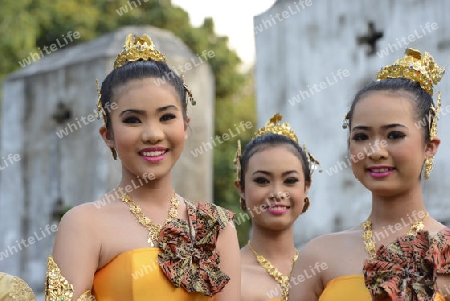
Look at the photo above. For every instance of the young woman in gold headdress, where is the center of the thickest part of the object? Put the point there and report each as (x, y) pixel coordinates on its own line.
(274, 176)
(400, 252)
(148, 243)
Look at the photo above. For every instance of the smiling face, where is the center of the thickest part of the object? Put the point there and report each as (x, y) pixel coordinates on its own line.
(148, 129)
(386, 147)
(275, 188)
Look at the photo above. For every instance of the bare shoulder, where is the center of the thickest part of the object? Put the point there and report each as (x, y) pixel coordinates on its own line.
(78, 219)
(316, 263)
(328, 245)
(77, 246)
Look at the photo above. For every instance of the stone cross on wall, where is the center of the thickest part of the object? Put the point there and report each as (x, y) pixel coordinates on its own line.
(370, 38)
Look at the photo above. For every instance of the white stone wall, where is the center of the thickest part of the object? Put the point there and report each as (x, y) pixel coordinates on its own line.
(12, 178)
(303, 49)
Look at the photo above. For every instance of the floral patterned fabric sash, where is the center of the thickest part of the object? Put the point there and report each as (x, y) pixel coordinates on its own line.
(189, 258)
(407, 269)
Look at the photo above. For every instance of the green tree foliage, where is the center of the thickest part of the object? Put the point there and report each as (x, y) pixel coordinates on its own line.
(26, 25)
(237, 108)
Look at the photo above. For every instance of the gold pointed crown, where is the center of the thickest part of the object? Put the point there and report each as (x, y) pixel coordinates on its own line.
(273, 126)
(415, 66)
(141, 48)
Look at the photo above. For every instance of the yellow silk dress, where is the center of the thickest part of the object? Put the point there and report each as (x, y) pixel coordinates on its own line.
(185, 266)
(136, 275)
(351, 287)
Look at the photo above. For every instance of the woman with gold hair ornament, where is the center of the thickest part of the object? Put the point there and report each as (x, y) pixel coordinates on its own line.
(147, 242)
(400, 252)
(273, 180)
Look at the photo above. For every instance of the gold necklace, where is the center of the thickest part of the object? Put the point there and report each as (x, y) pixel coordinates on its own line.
(273, 271)
(368, 237)
(153, 229)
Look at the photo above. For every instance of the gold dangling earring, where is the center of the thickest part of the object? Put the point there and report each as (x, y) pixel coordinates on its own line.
(306, 206)
(242, 202)
(428, 167)
(113, 153)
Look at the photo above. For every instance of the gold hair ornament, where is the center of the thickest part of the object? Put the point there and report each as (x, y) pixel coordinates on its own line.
(415, 66)
(142, 48)
(312, 161)
(237, 161)
(432, 125)
(273, 126)
(188, 91)
(100, 110)
(346, 121)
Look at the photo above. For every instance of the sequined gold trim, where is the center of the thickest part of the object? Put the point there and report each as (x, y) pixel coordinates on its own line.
(20, 290)
(57, 288)
(87, 296)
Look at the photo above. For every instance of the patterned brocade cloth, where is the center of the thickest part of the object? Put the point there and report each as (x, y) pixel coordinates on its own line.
(407, 269)
(190, 260)
(186, 266)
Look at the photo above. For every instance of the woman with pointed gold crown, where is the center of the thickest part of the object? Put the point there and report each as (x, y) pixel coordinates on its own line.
(14, 289)
(273, 180)
(400, 252)
(148, 243)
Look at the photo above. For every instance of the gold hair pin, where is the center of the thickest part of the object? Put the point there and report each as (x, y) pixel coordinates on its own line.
(312, 161)
(237, 161)
(100, 109)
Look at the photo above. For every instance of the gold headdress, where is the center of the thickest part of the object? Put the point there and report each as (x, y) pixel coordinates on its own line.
(273, 126)
(139, 48)
(415, 66)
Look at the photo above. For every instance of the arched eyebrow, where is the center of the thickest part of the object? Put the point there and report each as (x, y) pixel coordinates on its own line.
(289, 172)
(138, 112)
(269, 173)
(142, 112)
(165, 108)
(384, 127)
